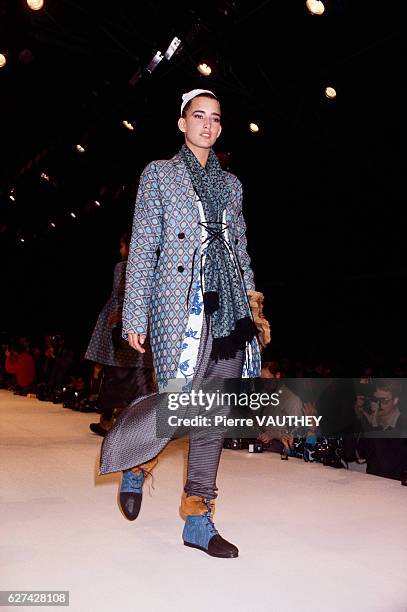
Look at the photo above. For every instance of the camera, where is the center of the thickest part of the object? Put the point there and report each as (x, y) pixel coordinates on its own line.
(255, 446)
(233, 443)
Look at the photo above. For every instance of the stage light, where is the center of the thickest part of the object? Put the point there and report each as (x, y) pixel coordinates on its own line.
(80, 148)
(22, 240)
(204, 69)
(12, 198)
(330, 93)
(73, 215)
(254, 128)
(154, 62)
(97, 203)
(128, 125)
(45, 176)
(52, 224)
(3, 60)
(35, 5)
(173, 47)
(315, 7)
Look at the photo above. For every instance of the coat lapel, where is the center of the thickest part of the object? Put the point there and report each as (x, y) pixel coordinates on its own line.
(184, 183)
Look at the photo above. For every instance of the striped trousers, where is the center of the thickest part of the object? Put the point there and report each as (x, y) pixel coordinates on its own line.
(205, 448)
(133, 440)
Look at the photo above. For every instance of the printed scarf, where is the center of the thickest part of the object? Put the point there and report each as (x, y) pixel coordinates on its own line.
(224, 297)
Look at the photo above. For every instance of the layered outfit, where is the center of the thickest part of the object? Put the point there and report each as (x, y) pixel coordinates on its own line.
(188, 274)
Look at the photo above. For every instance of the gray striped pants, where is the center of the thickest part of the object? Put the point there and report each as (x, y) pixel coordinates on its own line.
(205, 448)
(133, 440)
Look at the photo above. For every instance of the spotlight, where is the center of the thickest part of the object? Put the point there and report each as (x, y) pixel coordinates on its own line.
(128, 125)
(204, 69)
(35, 5)
(52, 224)
(173, 47)
(45, 176)
(3, 60)
(315, 7)
(154, 62)
(97, 203)
(22, 240)
(12, 198)
(330, 93)
(73, 215)
(80, 148)
(254, 128)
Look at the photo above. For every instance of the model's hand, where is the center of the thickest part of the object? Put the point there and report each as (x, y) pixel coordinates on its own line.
(136, 341)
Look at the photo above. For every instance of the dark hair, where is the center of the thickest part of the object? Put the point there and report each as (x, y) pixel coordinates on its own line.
(125, 238)
(202, 95)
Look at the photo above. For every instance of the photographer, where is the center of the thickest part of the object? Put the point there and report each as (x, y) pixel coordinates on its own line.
(383, 424)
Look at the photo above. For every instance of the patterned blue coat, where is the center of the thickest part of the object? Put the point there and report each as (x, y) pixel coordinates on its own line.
(158, 291)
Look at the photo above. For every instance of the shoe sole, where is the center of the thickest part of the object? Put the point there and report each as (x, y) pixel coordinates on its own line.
(225, 556)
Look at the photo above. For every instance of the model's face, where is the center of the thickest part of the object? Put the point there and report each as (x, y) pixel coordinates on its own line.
(201, 125)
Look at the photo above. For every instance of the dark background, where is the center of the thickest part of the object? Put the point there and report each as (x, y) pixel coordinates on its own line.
(323, 180)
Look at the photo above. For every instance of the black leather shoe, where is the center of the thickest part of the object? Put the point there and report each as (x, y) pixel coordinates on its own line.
(219, 547)
(130, 504)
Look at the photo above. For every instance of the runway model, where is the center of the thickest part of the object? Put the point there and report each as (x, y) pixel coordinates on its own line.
(126, 373)
(189, 279)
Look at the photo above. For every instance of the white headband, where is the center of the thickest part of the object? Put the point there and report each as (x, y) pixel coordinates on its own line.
(192, 94)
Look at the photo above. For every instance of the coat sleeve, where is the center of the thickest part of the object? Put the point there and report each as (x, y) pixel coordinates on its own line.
(119, 284)
(145, 240)
(241, 240)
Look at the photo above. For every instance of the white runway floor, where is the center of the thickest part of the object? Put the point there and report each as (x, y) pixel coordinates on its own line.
(311, 538)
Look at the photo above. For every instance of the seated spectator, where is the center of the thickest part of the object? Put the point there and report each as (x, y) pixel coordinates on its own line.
(57, 365)
(22, 365)
(384, 424)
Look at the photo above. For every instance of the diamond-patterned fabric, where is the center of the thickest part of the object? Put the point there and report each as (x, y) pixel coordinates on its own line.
(101, 348)
(158, 293)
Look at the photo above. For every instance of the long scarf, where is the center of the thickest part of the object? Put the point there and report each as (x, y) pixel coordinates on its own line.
(224, 297)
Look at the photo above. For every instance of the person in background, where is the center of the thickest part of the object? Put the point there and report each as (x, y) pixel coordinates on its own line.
(127, 374)
(22, 365)
(384, 423)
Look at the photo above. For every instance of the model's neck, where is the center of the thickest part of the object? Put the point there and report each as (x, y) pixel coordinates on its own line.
(201, 154)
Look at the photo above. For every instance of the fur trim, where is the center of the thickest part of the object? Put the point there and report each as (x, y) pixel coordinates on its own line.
(193, 505)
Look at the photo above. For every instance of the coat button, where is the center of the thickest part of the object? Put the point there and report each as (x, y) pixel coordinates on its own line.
(181, 235)
(180, 268)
